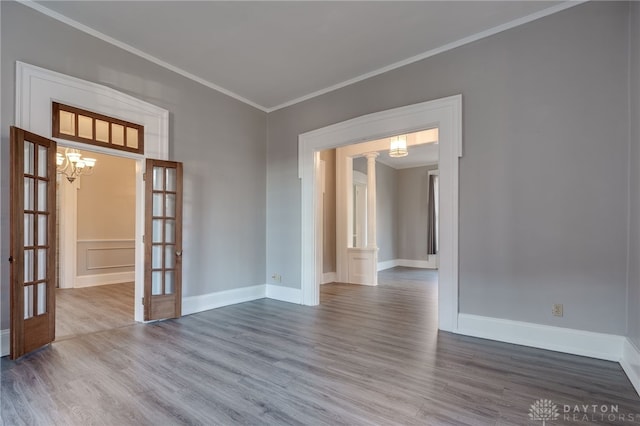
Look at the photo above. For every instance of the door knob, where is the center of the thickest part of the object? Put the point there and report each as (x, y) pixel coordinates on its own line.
(179, 253)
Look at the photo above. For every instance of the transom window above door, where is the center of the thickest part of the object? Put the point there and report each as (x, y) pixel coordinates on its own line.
(80, 125)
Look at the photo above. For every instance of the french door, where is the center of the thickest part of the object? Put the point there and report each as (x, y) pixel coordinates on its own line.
(163, 240)
(33, 237)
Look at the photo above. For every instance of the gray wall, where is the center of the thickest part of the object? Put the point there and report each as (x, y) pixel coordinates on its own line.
(386, 212)
(220, 140)
(543, 182)
(634, 193)
(413, 212)
(360, 165)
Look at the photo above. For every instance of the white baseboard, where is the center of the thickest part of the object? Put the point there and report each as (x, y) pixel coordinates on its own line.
(578, 342)
(432, 263)
(4, 342)
(630, 362)
(218, 299)
(284, 294)
(387, 264)
(425, 264)
(104, 279)
(328, 277)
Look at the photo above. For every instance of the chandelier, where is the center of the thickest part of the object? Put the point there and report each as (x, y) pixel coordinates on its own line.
(72, 164)
(398, 146)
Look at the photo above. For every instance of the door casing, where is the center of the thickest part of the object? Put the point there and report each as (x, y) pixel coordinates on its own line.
(33, 113)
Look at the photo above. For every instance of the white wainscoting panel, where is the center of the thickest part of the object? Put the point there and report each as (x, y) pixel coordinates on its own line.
(578, 342)
(284, 294)
(204, 302)
(105, 256)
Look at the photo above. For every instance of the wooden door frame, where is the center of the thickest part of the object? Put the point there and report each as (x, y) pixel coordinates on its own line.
(33, 113)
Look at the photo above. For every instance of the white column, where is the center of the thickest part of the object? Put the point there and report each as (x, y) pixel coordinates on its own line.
(372, 241)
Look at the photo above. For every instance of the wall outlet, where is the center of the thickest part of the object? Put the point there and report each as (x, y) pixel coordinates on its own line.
(277, 277)
(556, 310)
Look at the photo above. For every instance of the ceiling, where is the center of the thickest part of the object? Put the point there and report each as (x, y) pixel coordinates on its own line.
(422, 150)
(273, 54)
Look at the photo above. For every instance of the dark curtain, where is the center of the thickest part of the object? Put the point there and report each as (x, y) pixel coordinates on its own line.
(431, 219)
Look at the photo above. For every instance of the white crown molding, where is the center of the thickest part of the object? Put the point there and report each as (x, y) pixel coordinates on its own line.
(84, 28)
(449, 46)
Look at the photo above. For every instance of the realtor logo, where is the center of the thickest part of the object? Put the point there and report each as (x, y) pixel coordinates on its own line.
(544, 410)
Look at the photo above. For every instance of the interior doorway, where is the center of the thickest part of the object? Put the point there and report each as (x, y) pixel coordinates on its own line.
(96, 266)
(446, 115)
(404, 228)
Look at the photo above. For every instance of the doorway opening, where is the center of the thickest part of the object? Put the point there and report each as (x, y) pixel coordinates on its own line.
(390, 218)
(444, 114)
(95, 271)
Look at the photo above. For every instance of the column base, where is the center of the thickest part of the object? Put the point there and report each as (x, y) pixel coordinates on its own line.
(363, 265)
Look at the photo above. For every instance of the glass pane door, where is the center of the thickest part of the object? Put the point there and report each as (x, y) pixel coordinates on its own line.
(32, 224)
(164, 245)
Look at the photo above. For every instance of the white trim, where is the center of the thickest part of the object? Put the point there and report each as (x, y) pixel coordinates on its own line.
(320, 189)
(204, 302)
(446, 115)
(104, 279)
(107, 240)
(387, 264)
(630, 362)
(284, 294)
(79, 26)
(67, 209)
(4, 342)
(432, 263)
(449, 46)
(560, 339)
(35, 89)
(328, 277)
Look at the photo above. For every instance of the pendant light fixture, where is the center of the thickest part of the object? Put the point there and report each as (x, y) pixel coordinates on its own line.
(398, 146)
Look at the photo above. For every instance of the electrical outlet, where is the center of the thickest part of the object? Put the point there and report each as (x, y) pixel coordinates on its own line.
(556, 310)
(277, 277)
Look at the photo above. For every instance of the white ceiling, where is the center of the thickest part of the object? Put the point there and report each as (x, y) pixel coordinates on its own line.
(272, 54)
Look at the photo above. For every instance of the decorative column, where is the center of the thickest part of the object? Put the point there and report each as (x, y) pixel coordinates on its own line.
(372, 241)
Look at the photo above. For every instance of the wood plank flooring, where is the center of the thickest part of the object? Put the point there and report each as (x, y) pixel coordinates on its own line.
(92, 309)
(366, 355)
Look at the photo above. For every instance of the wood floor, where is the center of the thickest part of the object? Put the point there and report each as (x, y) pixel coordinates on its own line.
(366, 355)
(92, 309)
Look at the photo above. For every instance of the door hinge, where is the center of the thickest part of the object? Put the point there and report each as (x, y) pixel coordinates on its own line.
(144, 176)
(143, 301)
(143, 238)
